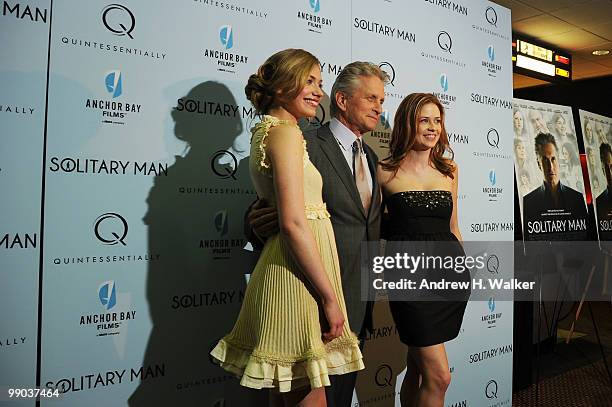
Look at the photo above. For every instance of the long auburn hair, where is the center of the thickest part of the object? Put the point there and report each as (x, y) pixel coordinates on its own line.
(403, 136)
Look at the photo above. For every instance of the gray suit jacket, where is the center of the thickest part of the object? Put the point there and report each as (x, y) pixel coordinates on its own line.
(351, 224)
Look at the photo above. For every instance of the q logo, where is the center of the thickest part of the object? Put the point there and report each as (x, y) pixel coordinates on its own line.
(226, 36)
(114, 231)
(445, 41)
(384, 376)
(107, 294)
(224, 171)
(388, 68)
(119, 20)
(491, 389)
(491, 16)
(492, 178)
(316, 121)
(491, 53)
(444, 82)
(493, 138)
(320, 115)
(315, 5)
(493, 264)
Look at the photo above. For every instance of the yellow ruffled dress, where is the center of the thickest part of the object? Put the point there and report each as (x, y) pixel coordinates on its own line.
(276, 341)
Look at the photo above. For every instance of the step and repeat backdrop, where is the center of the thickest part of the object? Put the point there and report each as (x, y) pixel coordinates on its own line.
(124, 176)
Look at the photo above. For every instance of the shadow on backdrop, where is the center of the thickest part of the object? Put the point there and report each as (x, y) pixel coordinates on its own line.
(194, 221)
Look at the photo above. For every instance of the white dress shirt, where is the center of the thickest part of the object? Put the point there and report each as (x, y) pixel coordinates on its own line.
(345, 139)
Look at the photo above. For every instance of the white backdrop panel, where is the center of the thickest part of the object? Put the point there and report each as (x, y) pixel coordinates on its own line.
(24, 29)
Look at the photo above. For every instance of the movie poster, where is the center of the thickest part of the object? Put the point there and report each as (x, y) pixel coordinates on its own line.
(597, 136)
(548, 172)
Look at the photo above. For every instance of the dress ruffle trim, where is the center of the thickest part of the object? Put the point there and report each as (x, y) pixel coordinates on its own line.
(317, 211)
(258, 370)
(261, 129)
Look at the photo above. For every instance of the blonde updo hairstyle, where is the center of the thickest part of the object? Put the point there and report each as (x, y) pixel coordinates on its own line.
(281, 78)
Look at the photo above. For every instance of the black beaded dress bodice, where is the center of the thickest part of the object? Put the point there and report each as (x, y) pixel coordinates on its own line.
(420, 215)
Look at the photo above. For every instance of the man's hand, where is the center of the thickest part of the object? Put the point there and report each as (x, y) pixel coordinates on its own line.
(263, 219)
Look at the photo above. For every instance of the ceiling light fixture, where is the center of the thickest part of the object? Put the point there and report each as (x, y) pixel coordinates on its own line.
(600, 52)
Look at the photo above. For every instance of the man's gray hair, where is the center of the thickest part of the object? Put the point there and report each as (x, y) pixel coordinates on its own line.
(348, 80)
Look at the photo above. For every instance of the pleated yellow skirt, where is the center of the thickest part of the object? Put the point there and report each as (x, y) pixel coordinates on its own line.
(276, 341)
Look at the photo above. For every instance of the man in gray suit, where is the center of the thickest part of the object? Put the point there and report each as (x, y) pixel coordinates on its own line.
(336, 150)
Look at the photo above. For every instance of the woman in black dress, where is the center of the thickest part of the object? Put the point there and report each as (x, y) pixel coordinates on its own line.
(419, 184)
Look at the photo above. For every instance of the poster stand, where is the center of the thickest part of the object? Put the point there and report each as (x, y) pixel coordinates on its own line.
(555, 320)
(592, 315)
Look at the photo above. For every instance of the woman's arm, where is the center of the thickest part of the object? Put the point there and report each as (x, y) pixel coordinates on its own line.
(285, 149)
(454, 223)
(382, 177)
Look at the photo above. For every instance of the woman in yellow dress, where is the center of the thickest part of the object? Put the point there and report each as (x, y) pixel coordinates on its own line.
(292, 330)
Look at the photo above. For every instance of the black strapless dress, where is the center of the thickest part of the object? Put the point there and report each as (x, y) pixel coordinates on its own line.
(423, 217)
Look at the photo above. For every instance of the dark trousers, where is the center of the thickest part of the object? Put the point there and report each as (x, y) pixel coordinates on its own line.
(340, 393)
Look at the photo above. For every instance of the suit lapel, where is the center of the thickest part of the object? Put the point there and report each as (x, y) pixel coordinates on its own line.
(375, 188)
(331, 149)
